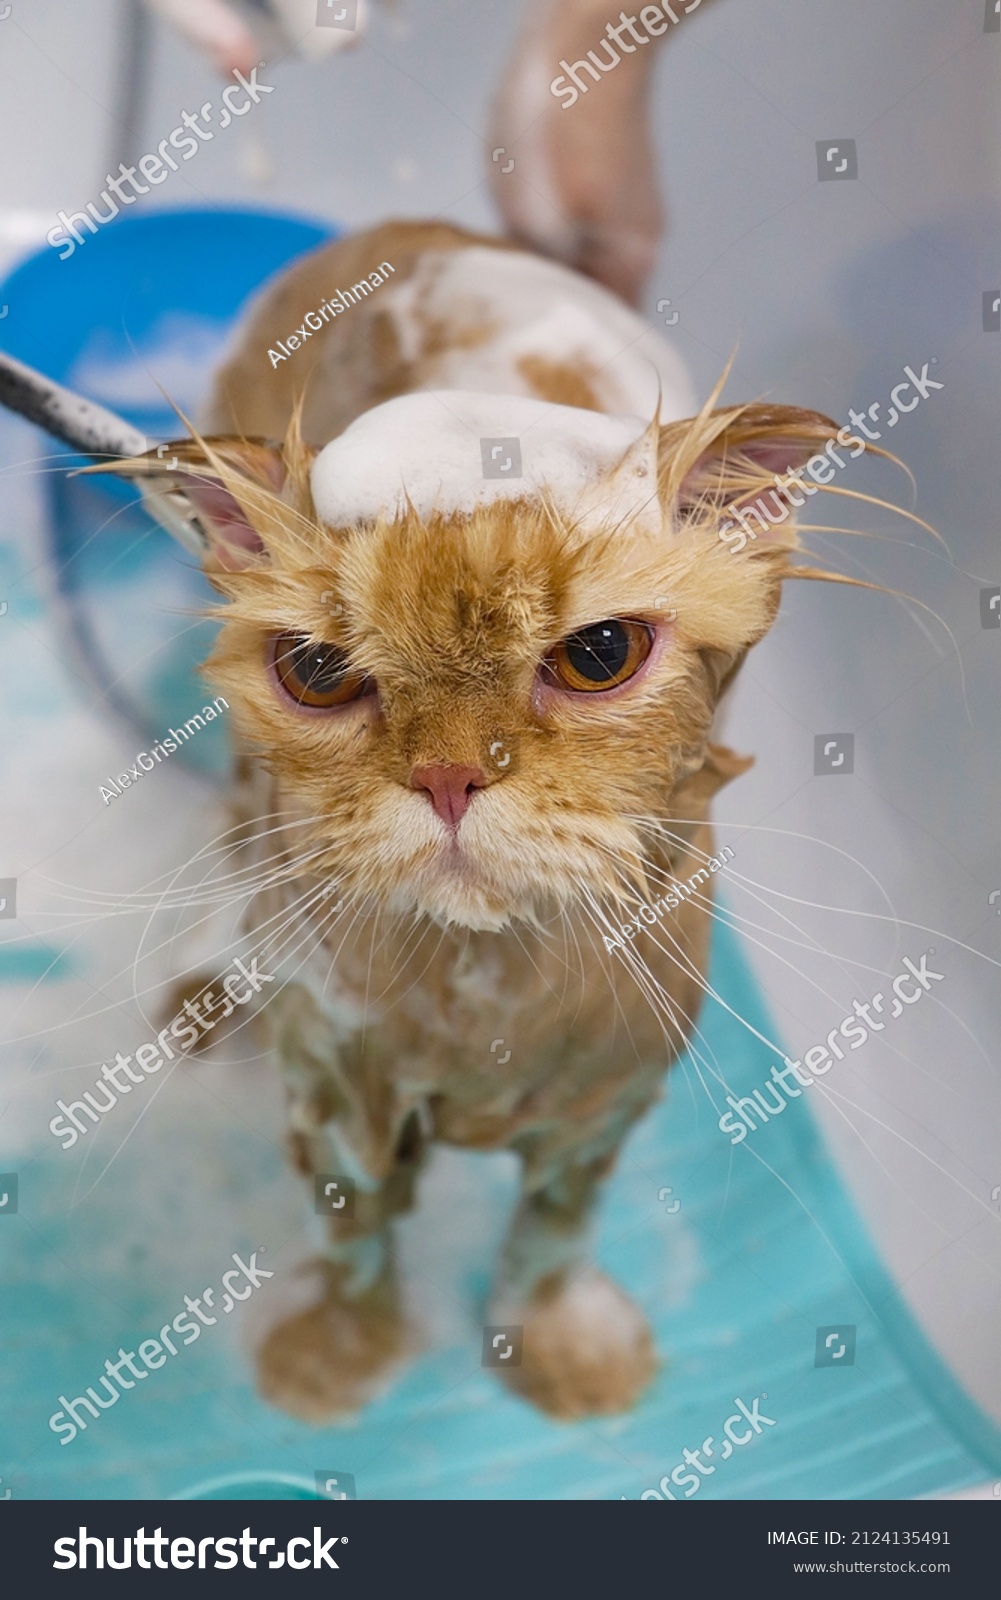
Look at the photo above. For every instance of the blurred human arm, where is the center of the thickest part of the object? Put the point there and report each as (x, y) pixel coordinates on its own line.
(584, 184)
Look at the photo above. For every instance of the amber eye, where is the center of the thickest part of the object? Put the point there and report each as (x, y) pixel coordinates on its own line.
(600, 656)
(316, 674)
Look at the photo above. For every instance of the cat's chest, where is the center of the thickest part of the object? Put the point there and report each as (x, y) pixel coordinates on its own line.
(540, 1042)
(501, 1032)
(445, 1004)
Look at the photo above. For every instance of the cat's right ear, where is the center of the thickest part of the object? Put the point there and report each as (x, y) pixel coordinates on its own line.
(723, 461)
(220, 497)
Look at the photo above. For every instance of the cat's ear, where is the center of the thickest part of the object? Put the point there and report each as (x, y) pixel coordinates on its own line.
(726, 467)
(221, 497)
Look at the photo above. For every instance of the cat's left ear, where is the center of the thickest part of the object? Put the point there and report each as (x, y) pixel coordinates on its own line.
(221, 497)
(728, 465)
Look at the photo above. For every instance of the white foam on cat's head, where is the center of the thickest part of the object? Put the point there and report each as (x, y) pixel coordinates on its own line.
(438, 449)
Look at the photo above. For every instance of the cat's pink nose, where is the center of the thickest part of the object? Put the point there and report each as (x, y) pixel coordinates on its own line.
(450, 789)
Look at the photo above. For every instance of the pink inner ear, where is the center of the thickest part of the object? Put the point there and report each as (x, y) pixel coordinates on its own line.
(777, 456)
(234, 540)
(769, 506)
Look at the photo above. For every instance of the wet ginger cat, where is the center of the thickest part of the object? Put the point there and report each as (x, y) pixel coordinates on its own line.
(477, 620)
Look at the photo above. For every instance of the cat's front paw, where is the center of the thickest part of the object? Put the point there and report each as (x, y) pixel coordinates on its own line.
(586, 1348)
(329, 1360)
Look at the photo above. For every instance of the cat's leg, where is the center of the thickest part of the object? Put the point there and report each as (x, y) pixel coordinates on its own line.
(587, 1349)
(329, 1357)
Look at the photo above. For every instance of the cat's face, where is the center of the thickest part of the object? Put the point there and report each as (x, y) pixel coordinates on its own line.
(479, 709)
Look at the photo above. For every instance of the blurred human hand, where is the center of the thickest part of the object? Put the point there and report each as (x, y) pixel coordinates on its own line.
(235, 37)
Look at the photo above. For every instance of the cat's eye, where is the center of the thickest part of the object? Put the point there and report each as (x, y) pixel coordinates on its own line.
(317, 675)
(600, 656)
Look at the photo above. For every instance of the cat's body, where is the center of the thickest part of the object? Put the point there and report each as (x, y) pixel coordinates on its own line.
(459, 311)
(484, 831)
